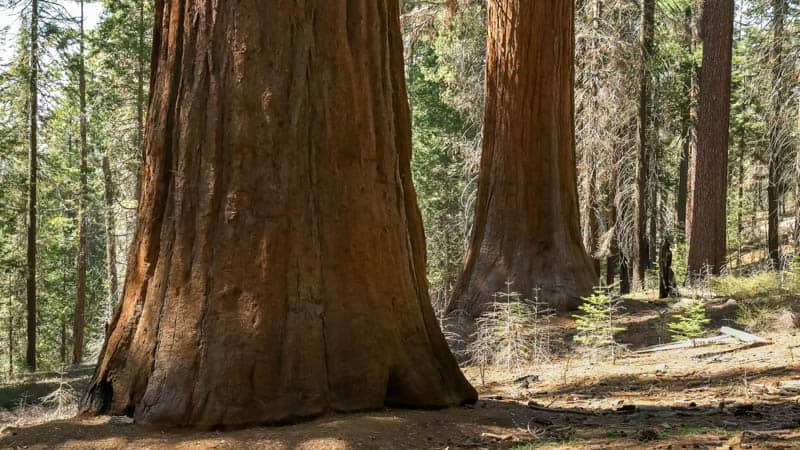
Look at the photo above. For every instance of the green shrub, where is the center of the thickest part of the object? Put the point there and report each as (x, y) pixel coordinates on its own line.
(691, 324)
(597, 322)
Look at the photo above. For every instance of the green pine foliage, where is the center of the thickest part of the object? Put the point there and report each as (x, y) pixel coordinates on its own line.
(445, 85)
(110, 66)
(598, 322)
(692, 323)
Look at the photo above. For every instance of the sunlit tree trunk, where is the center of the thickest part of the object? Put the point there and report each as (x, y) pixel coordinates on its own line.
(33, 163)
(526, 217)
(707, 216)
(278, 267)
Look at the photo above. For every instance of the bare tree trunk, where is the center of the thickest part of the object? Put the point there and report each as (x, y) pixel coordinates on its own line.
(10, 340)
(739, 204)
(140, 101)
(624, 276)
(797, 185)
(612, 261)
(776, 145)
(63, 350)
(694, 91)
(278, 267)
(526, 216)
(641, 252)
(111, 240)
(707, 217)
(78, 320)
(683, 177)
(688, 133)
(653, 187)
(33, 162)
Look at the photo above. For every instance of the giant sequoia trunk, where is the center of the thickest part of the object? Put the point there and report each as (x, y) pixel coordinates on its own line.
(526, 224)
(278, 267)
(707, 218)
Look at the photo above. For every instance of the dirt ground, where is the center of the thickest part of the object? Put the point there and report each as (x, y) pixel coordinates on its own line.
(720, 396)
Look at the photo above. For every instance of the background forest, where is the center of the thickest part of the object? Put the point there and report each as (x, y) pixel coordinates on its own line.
(73, 100)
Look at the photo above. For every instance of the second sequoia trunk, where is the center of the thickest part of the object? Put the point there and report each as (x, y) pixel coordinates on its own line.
(278, 268)
(526, 224)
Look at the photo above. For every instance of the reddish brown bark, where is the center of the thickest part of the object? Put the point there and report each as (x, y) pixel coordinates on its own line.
(526, 223)
(707, 217)
(278, 268)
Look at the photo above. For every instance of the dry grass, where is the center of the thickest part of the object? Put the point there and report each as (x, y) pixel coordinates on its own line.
(35, 414)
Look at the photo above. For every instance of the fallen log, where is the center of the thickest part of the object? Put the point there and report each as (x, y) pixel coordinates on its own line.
(699, 342)
(743, 336)
(729, 336)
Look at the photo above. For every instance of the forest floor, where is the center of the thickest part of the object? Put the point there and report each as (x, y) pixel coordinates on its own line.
(719, 396)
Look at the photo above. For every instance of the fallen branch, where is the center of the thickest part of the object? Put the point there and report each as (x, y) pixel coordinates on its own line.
(731, 350)
(499, 437)
(777, 434)
(581, 412)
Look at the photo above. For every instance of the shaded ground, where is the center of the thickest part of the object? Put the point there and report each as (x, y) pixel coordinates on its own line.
(30, 388)
(721, 396)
